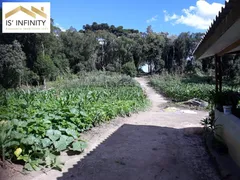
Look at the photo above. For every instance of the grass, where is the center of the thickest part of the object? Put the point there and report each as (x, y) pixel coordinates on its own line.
(36, 125)
(184, 88)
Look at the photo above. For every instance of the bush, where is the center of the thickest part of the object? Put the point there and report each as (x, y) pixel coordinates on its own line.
(30, 78)
(130, 69)
(111, 68)
(45, 67)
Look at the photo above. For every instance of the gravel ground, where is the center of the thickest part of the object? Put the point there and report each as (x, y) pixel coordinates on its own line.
(154, 144)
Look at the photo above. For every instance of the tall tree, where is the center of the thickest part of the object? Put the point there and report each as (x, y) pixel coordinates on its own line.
(12, 62)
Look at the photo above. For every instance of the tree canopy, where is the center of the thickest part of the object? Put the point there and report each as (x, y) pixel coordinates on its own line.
(35, 58)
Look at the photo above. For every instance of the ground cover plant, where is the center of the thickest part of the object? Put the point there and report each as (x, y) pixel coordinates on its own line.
(185, 88)
(36, 125)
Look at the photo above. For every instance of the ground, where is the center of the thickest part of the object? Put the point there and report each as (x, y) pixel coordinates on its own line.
(154, 144)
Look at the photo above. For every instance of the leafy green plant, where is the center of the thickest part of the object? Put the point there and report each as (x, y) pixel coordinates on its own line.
(6, 139)
(225, 98)
(40, 124)
(215, 131)
(177, 89)
(209, 121)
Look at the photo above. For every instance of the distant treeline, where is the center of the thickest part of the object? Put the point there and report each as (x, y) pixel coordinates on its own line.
(31, 59)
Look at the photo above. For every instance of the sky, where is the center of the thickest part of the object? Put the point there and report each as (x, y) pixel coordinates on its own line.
(172, 16)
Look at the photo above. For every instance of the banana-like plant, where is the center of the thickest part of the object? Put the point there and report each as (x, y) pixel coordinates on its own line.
(5, 137)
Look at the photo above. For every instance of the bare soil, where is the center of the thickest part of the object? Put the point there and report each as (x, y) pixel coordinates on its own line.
(154, 144)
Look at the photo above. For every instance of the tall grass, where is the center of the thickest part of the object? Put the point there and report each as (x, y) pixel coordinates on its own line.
(185, 88)
(95, 79)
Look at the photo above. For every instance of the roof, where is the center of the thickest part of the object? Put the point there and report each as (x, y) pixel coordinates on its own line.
(223, 36)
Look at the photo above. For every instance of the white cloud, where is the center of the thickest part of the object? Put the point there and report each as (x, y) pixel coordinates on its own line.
(154, 18)
(62, 28)
(199, 16)
(167, 17)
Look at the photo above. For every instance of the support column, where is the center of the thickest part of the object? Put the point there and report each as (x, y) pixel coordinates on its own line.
(216, 58)
(218, 73)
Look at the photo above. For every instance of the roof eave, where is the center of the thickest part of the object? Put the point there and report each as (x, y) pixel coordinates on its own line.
(225, 19)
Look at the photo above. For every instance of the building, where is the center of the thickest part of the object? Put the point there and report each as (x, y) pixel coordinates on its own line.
(223, 37)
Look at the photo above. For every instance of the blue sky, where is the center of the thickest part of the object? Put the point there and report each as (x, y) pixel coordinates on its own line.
(173, 16)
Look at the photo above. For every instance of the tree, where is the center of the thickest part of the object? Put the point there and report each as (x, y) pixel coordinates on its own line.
(137, 51)
(168, 54)
(12, 61)
(80, 49)
(72, 51)
(153, 49)
(130, 69)
(184, 47)
(45, 67)
(118, 31)
(149, 30)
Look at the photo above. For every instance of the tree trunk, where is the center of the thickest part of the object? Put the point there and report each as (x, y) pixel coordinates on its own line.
(44, 83)
(43, 50)
(151, 69)
(20, 81)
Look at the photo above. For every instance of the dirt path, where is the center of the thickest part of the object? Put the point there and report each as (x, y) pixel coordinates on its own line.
(149, 145)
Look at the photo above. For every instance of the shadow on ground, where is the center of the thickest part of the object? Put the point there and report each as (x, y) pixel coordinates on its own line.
(146, 153)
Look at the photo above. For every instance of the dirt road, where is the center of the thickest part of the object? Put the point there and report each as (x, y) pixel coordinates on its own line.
(149, 145)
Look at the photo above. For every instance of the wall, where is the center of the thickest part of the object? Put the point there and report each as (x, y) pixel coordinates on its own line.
(230, 132)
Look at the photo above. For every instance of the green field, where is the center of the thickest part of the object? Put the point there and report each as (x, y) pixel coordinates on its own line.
(185, 88)
(36, 125)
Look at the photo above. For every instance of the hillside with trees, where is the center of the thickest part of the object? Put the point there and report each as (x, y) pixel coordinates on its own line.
(33, 59)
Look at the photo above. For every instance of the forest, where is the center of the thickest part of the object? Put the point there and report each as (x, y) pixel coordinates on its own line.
(33, 59)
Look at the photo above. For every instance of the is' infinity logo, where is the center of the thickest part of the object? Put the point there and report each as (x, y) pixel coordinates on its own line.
(26, 17)
(28, 12)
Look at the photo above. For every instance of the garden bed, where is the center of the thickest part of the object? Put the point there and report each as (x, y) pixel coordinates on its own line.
(181, 89)
(36, 125)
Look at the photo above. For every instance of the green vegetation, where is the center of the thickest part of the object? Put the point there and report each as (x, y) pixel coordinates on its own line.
(34, 59)
(175, 88)
(184, 88)
(129, 69)
(36, 125)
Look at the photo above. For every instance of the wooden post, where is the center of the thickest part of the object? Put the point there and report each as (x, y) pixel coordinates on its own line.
(220, 73)
(216, 58)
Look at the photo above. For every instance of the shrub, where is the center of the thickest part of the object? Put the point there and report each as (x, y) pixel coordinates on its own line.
(130, 69)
